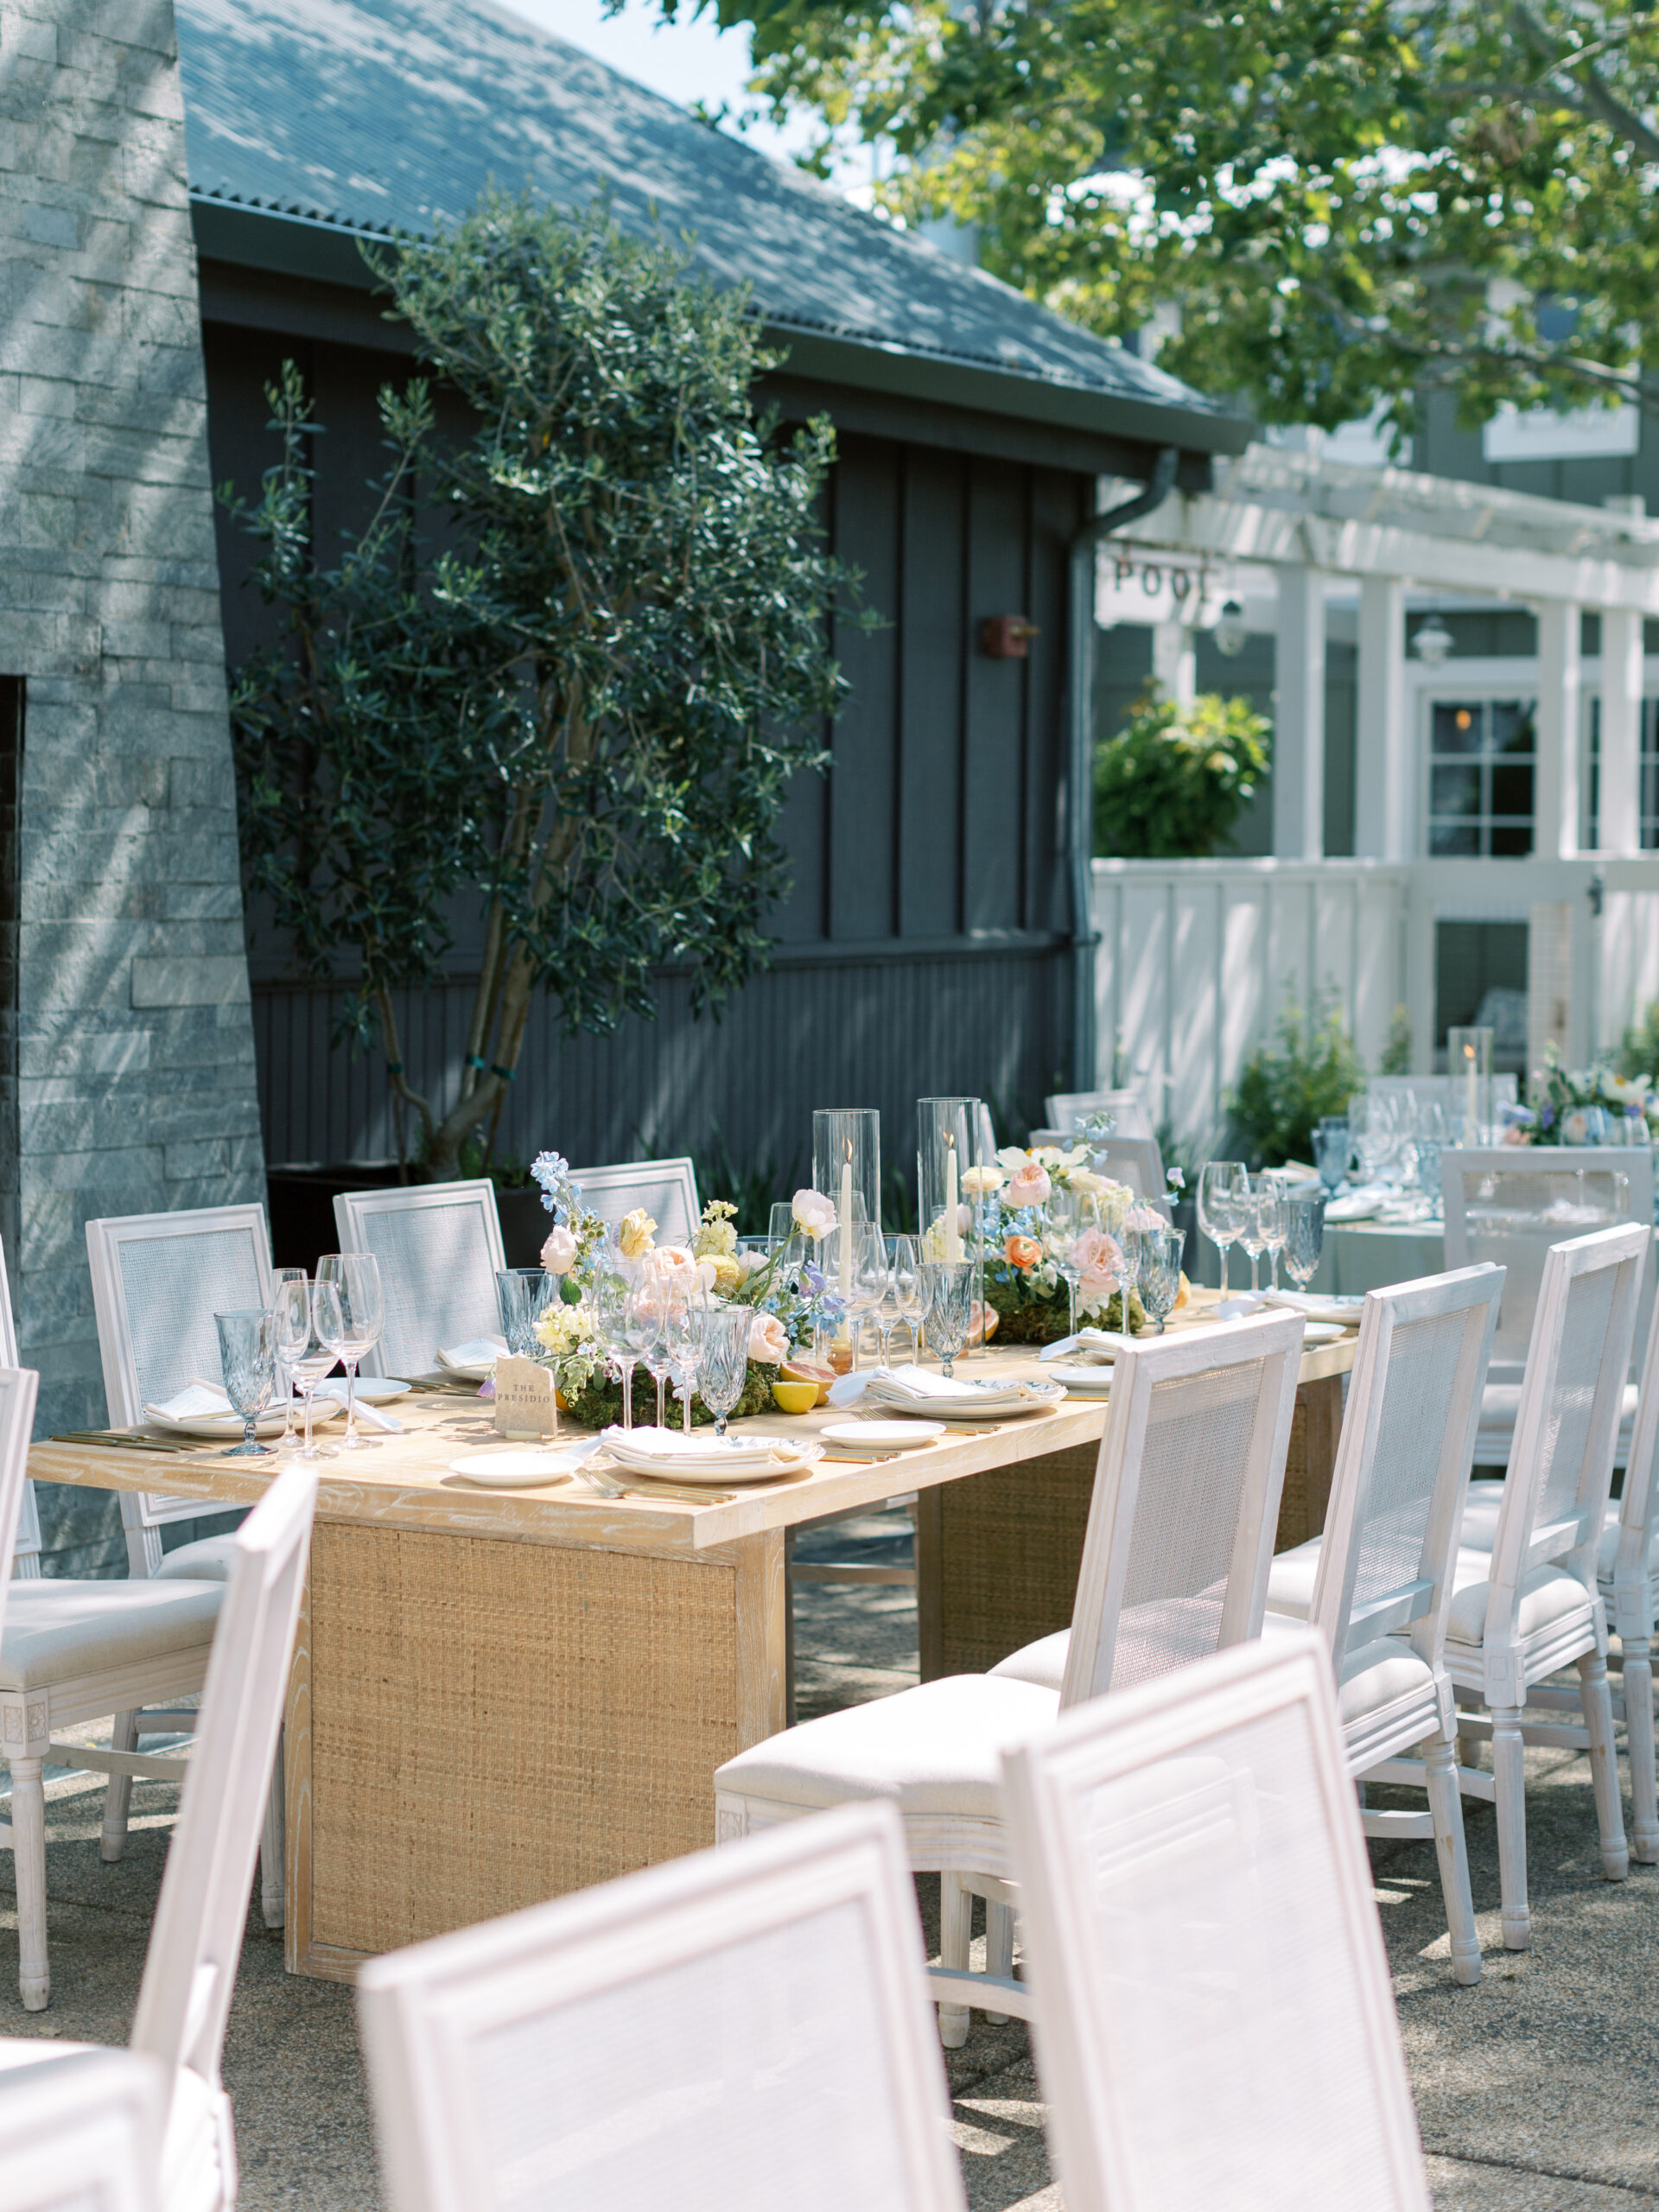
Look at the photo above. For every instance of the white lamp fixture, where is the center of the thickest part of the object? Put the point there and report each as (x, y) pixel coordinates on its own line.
(1230, 631)
(1432, 641)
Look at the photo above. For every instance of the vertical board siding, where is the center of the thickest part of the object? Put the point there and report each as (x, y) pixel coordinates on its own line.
(1198, 959)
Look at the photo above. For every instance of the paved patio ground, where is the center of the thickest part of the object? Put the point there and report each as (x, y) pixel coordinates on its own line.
(1535, 2092)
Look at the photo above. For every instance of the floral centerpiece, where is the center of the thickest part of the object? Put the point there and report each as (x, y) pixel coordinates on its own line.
(1565, 1102)
(788, 1299)
(1014, 1236)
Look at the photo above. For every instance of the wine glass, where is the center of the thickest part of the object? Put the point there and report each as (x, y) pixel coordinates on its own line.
(683, 1331)
(950, 1306)
(724, 1370)
(318, 1328)
(645, 1330)
(1269, 1190)
(910, 1290)
(1333, 1146)
(869, 1281)
(1160, 1271)
(1303, 1238)
(1221, 1187)
(280, 1276)
(1066, 1215)
(1250, 1233)
(356, 1278)
(247, 1360)
(608, 1303)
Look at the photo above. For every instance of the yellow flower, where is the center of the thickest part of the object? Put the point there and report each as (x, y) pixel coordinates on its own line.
(727, 1275)
(715, 1240)
(637, 1233)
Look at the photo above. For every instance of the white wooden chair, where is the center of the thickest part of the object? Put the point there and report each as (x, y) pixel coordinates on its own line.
(1212, 2012)
(195, 1943)
(1378, 1584)
(1508, 1204)
(1625, 1561)
(1530, 1606)
(1175, 1565)
(158, 1279)
(439, 1247)
(82, 2134)
(744, 2028)
(667, 1189)
(1065, 1108)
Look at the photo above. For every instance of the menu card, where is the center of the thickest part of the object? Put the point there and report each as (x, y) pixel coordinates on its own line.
(524, 1403)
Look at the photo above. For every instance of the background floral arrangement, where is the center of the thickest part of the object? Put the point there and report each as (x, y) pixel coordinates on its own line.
(1560, 1101)
(1007, 1212)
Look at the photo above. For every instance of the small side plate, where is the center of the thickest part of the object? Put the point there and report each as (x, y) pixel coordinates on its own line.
(882, 1435)
(522, 1469)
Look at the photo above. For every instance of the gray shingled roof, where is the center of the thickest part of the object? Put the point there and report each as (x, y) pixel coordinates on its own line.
(376, 115)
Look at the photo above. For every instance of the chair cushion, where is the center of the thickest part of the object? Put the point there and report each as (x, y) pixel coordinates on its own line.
(1548, 1593)
(1500, 1402)
(1378, 1675)
(1042, 1663)
(210, 1559)
(1290, 1579)
(935, 1749)
(57, 1631)
(1480, 1509)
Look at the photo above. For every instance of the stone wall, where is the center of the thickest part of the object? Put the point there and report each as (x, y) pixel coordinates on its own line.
(129, 1067)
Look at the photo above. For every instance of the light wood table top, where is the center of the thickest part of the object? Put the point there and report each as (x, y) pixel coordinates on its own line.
(405, 1481)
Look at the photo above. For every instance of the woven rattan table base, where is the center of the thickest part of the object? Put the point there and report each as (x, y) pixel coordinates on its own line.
(475, 1725)
(997, 1554)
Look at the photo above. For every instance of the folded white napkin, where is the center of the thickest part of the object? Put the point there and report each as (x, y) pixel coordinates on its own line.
(336, 1388)
(477, 1351)
(643, 1447)
(1359, 1204)
(196, 1401)
(1101, 1343)
(1333, 1307)
(1234, 1309)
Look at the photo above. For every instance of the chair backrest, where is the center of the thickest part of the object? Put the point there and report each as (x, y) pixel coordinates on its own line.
(184, 1999)
(158, 1279)
(1510, 1203)
(746, 2028)
(1213, 2016)
(82, 2134)
(1407, 1443)
(1638, 1505)
(26, 1544)
(18, 1386)
(1137, 1162)
(1566, 1425)
(667, 1189)
(1066, 1107)
(1186, 1502)
(439, 1247)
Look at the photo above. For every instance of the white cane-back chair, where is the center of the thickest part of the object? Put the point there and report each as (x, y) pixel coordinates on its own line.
(158, 1279)
(1066, 1109)
(195, 1943)
(1175, 1565)
(1377, 1585)
(667, 1189)
(1529, 1604)
(1508, 1204)
(439, 1249)
(745, 2029)
(1212, 2012)
(82, 2134)
(1625, 1562)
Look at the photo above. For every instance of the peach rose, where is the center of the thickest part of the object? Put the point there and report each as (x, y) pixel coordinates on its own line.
(1028, 1186)
(1099, 1261)
(1022, 1251)
(767, 1342)
(559, 1253)
(673, 1263)
(634, 1236)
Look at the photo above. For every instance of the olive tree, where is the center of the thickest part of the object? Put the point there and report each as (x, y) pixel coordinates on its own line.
(562, 672)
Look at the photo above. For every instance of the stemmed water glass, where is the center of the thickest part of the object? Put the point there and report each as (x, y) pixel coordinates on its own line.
(355, 1277)
(867, 1281)
(279, 1276)
(1249, 1229)
(1303, 1238)
(645, 1330)
(247, 1359)
(950, 1304)
(608, 1301)
(1224, 1190)
(1333, 1145)
(685, 1318)
(1160, 1271)
(724, 1371)
(1065, 1215)
(1268, 1192)
(910, 1291)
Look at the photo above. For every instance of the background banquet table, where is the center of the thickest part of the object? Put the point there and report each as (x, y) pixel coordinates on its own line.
(499, 1696)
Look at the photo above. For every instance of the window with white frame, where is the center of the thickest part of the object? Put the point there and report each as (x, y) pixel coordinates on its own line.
(1482, 763)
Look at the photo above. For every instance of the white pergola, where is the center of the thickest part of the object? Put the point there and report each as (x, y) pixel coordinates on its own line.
(1311, 522)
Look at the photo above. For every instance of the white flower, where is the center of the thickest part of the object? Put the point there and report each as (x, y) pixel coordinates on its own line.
(813, 1212)
(559, 1253)
(980, 1182)
(1011, 1158)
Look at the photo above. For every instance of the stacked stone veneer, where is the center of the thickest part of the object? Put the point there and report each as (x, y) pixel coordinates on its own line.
(133, 1052)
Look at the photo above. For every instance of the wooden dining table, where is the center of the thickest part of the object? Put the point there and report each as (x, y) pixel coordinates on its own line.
(500, 1696)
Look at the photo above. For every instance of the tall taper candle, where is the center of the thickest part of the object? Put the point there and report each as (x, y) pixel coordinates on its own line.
(847, 1224)
(952, 1225)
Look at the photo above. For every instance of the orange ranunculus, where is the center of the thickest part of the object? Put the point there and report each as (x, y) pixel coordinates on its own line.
(1022, 1251)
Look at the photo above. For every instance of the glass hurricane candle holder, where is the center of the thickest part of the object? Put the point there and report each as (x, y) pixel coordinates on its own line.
(948, 1145)
(1469, 1063)
(847, 1170)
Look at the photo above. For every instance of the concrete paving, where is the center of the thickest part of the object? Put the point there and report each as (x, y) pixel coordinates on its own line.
(1535, 2091)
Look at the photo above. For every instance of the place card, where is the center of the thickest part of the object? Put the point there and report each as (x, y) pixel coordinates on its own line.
(524, 1403)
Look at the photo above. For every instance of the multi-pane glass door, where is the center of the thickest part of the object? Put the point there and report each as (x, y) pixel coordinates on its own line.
(1482, 761)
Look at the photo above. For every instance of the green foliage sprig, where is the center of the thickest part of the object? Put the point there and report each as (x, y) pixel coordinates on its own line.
(1174, 780)
(576, 715)
(1284, 1089)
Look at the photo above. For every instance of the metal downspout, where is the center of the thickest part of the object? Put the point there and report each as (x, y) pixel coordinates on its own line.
(1081, 753)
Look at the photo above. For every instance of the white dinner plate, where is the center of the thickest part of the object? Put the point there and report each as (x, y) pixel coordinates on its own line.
(523, 1469)
(701, 1459)
(465, 1374)
(883, 1435)
(215, 1428)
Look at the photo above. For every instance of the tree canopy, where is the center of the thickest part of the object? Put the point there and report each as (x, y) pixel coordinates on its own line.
(562, 674)
(1347, 202)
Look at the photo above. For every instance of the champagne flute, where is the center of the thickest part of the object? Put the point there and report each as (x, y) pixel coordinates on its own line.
(684, 1333)
(318, 1328)
(356, 1279)
(280, 1276)
(1218, 1206)
(910, 1290)
(1249, 1229)
(644, 1324)
(247, 1360)
(1273, 1225)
